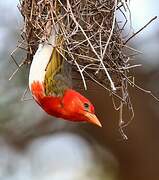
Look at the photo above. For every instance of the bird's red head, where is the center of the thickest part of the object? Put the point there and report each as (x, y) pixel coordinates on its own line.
(78, 108)
(71, 106)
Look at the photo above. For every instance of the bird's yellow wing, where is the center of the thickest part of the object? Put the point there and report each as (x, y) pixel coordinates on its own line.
(57, 76)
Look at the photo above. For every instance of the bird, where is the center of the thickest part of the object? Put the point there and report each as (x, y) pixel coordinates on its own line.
(49, 85)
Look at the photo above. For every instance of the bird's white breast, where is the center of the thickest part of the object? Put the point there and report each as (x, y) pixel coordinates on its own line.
(41, 59)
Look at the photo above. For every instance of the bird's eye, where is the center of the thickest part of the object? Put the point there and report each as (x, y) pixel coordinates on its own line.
(86, 106)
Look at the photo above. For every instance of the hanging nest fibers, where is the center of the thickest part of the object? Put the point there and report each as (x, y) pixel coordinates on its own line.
(92, 41)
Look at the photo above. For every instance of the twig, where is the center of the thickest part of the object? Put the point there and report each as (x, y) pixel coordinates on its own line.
(140, 30)
(14, 73)
(24, 94)
(74, 19)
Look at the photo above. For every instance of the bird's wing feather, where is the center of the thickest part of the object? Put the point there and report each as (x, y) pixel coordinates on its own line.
(57, 76)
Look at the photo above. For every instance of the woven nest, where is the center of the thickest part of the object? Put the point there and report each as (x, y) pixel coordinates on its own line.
(91, 40)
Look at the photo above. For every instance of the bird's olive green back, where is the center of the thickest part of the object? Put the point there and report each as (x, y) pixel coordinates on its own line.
(57, 76)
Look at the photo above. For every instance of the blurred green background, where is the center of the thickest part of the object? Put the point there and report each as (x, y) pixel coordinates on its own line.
(33, 145)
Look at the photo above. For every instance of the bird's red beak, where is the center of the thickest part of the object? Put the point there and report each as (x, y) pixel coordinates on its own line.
(92, 118)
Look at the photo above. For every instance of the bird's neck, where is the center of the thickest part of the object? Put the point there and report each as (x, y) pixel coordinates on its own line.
(58, 106)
